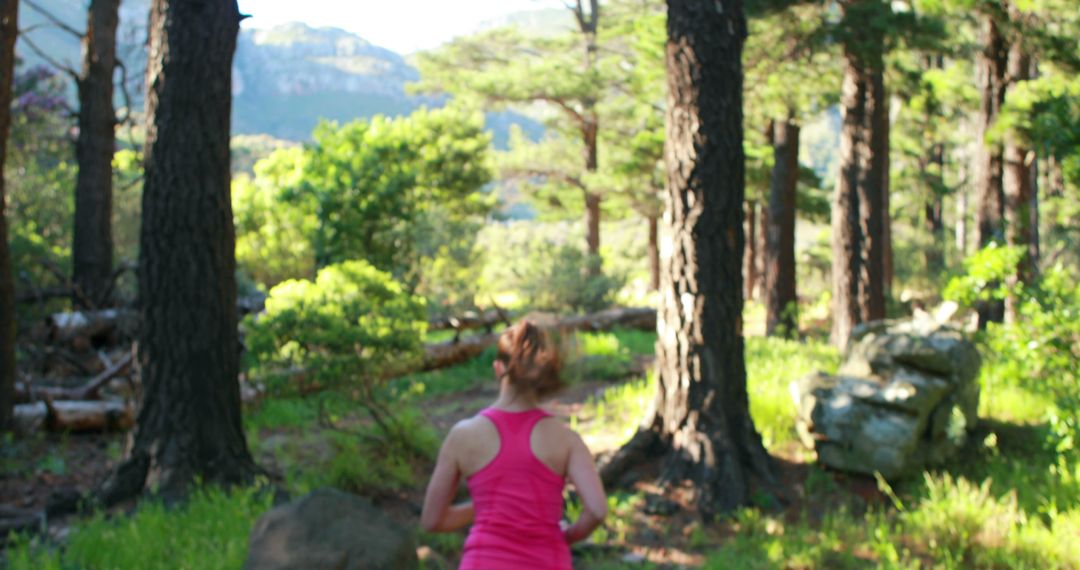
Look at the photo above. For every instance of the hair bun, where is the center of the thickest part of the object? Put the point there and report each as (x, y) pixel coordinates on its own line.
(532, 364)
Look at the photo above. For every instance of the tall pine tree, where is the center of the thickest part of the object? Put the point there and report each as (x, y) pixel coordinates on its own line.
(189, 425)
(700, 421)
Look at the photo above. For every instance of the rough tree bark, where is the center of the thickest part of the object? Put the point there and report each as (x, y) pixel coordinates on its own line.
(9, 28)
(92, 250)
(189, 425)
(1018, 191)
(989, 194)
(857, 217)
(781, 302)
(700, 422)
(887, 272)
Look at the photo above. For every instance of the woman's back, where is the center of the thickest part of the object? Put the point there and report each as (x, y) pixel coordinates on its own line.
(516, 461)
(515, 464)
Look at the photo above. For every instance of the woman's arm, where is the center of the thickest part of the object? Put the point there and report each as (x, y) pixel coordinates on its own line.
(582, 473)
(438, 514)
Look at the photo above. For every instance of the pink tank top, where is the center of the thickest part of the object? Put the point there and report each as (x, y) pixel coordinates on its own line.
(518, 503)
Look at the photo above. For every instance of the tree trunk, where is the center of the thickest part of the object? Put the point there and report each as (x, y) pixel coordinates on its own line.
(961, 221)
(654, 254)
(990, 196)
(886, 208)
(933, 178)
(700, 421)
(9, 28)
(934, 207)
(750, 264)
(781, 302)
(1017, 188)
(592, 227)
(189, 427)
(92, 251)
(761, 238)
(858, 240)
(590, 125)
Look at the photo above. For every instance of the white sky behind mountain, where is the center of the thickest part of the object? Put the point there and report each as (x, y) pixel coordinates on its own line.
(404, 26)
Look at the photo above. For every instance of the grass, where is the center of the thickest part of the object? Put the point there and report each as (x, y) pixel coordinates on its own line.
(772, 364)
(208, 532)
(1009, 501)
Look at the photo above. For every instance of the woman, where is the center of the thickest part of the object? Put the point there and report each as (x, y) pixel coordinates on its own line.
(516, 459)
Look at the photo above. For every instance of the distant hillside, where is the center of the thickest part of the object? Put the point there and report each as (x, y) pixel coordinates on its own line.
(285, 79)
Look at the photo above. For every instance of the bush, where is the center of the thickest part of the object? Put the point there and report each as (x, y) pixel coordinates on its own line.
(1042, 347)
(347, 330)
(563, 279)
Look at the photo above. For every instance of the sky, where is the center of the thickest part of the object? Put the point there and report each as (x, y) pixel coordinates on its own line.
(405, 26)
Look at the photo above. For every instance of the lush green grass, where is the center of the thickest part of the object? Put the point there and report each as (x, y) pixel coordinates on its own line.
(458, 378)
(771, 365)
(209, 532)
(1008, 501)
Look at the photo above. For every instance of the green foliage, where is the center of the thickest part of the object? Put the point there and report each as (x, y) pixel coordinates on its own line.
(597, 356)
(272, 238)
(365, 463)
(985, 274)
(447, 380)
(1043, 345)
(210, 531)
(553, 279)
(39, 178)
(404, 194)
(347, 330)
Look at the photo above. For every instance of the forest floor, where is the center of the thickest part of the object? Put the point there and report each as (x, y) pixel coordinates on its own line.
(667, 530)
(1001, 504)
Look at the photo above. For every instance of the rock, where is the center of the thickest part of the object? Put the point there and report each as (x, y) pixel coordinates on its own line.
(329, 530)
(905, 397)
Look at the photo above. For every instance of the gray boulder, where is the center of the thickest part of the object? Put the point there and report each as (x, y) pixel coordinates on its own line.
(329, 530)
(904, 398)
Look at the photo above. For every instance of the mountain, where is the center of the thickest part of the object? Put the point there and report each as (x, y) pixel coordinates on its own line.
(285, 79)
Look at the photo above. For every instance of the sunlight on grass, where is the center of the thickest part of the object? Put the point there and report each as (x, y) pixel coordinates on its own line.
(771, 365)
(209, 532)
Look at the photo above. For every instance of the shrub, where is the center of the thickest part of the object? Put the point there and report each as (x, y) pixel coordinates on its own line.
(1042, 347)
(563, 279)
(346, 330)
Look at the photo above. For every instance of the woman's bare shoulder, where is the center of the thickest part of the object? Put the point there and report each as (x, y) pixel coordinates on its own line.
(556, 428)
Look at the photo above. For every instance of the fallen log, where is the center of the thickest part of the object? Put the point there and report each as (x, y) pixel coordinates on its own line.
(29, 418)
(80, 416)
(89, 391)
(74, 416)
(449, 353)
(91, 325)
(467, 321)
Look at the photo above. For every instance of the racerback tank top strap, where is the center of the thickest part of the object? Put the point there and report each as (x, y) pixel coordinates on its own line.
(515, 431)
